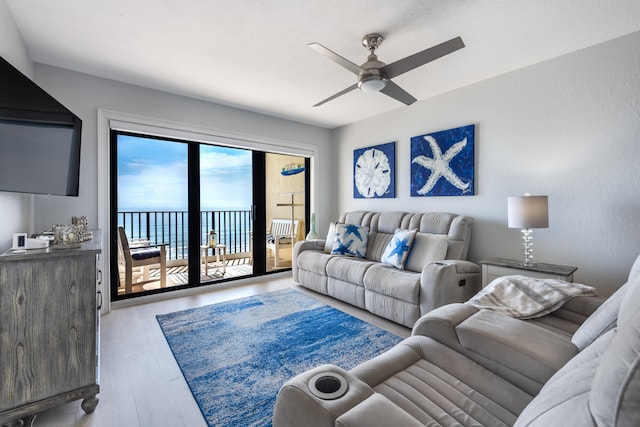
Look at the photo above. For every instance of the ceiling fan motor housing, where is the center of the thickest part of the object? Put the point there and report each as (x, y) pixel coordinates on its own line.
(371, 79)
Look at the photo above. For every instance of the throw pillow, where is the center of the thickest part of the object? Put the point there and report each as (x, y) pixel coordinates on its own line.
(351, 240)
(397, 250)
(427, 248)
(331, 237)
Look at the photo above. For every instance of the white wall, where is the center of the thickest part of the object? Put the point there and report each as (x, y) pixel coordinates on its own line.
(12, 47)
(15, 209)
(568, 128)
(84, 95)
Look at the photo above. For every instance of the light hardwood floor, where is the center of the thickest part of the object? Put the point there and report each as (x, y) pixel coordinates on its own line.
(140, 382)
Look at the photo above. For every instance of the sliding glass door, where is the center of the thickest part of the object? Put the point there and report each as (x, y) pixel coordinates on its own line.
(226, 198)
(150, 201)
(186, 213)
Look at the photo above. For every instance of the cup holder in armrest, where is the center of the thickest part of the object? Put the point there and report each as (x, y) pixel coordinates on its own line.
(328, 385)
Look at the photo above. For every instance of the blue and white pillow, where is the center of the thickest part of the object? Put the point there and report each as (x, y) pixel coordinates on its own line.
(350, 240)
(398, 249)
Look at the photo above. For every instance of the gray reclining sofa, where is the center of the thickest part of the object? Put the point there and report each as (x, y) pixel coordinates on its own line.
(436, 272)
(469, 367)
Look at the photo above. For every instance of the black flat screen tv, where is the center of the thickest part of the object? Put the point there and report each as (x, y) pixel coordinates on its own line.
(39, 139)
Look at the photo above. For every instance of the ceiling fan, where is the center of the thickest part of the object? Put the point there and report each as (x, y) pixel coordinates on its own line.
(375, 76)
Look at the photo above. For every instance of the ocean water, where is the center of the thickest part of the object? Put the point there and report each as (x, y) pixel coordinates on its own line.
(170, 227)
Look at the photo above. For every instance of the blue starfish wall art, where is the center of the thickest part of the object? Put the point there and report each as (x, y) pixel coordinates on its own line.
(374, 171)
(442, 163)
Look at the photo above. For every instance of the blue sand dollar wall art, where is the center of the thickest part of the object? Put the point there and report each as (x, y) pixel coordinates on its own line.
(374, 171)
(442, 163)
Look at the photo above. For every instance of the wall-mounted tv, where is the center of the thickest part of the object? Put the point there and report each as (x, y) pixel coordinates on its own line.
(39, 138)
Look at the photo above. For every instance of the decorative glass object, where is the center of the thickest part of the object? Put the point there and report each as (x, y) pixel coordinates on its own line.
(212, 238)
(312, 235)
(66, 237)
(82, 223)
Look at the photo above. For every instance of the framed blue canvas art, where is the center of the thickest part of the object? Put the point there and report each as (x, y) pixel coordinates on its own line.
(442, 163)
(374, 170)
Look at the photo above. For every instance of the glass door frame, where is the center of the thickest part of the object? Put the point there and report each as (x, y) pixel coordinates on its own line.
(193, 215)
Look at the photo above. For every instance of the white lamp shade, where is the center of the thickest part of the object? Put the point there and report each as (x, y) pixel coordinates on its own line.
(528, 212)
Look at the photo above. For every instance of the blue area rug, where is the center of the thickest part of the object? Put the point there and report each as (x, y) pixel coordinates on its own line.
(236, 355)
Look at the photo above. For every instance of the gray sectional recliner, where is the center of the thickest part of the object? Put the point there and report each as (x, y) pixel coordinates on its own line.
(470, 367)
(432, 277)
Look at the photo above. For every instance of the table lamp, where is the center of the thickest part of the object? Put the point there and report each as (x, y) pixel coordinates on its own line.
(527, 212)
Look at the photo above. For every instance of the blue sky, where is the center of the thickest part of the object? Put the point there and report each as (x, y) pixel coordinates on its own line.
(152, 175)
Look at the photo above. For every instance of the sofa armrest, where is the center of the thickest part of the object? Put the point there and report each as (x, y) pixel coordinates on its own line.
(296, 405)
(522, 353)
(301, 246)
(448, 281)
(440, 324)
(308, 245)
(522, 347)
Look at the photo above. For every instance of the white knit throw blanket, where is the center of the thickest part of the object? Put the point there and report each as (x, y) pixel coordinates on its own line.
(527, 297)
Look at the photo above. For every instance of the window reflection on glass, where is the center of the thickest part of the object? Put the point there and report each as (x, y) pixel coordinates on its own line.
(285, 207)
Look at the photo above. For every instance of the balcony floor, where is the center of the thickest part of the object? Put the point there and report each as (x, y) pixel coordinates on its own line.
(178, 275)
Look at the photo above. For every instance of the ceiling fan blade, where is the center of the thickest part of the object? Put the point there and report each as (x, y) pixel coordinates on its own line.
(396, 92)
(335, 58)
(342, 92)
(417, 59)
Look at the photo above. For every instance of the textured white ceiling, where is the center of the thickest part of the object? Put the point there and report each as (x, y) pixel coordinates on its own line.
(253, 54)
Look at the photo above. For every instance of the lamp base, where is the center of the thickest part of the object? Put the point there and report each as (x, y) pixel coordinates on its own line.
(527, 248)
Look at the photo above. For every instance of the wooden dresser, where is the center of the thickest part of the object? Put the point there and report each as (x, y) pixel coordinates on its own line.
(49, 321)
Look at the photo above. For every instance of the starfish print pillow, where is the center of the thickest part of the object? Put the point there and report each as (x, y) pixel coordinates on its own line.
(398, 249)
(351, 240)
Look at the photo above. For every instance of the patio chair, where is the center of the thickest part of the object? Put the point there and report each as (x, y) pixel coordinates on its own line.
(280, 236)
(140, 256)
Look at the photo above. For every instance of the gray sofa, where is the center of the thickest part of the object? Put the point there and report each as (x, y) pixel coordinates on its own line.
(429, 280)
(450, 372)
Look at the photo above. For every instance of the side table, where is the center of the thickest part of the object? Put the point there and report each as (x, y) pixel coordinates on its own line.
(493, 268)
(217, 251)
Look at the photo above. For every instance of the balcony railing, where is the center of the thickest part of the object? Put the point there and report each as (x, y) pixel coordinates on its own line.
(171, 228)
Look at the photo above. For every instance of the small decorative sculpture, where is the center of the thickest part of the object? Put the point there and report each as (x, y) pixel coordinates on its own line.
(66, 236)
(82, 222)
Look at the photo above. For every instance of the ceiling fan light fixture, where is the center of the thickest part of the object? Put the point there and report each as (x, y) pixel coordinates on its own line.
(376, 76)
(372, 84)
